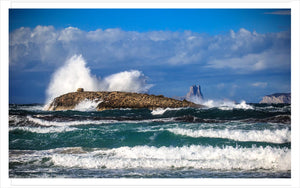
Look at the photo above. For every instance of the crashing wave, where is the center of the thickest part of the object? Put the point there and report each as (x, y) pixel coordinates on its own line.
(187, 157)
(271, 136)
(87, 105)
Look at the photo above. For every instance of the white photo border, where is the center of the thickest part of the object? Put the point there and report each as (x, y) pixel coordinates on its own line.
(295, 80)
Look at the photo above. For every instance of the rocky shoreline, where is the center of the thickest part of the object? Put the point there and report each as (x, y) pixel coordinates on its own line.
(116, 100)
(277, 98)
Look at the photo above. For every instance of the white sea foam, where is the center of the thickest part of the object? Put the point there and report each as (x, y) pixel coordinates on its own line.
(94, 122)
(15, 119)
(271, 136)
(195, 157)
(160, 111)
(274, 108)
(44, 129)
(32, 108)
(87, 105)
(68, 123)
(227, 105)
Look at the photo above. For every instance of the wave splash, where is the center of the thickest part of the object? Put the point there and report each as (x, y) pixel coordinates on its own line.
(227, 105)
(75, 74)
(161, 111)
(87, 105)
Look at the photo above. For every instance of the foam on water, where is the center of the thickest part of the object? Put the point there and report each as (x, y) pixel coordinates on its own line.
(187, 157)
(15, 119)
(274, 109)
(44, 130)
(227, 105)
(249, 143)
(68, 123)
(87, 105)
(89, 122)
(271, 136)
(32, 108)
(161, 111)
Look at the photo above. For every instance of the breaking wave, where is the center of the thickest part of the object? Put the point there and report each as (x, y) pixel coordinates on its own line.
(87, 105)
(270, 136)
(68, 123)
(186, 157)
(227, 105)
(161, 111)
(44, 130)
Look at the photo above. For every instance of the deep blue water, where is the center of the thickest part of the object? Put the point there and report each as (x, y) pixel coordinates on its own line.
(237, 141)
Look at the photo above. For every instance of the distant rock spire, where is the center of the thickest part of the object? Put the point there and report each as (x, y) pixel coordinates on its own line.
(195, 94)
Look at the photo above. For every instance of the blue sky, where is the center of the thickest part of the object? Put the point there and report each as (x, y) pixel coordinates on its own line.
(211, 21)
(235, 54)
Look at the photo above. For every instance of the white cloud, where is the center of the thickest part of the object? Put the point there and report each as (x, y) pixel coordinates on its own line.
(243, 51)
(70, 34)
(260, 84)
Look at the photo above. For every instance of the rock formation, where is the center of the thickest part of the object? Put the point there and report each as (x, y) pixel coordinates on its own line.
(277, 98)
(114, 100)
(194, 94)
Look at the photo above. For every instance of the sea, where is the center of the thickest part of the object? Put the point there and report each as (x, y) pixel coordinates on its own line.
(223, 141)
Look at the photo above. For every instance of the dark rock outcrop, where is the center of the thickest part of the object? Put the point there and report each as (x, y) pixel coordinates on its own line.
(114, 100)
(277, 98)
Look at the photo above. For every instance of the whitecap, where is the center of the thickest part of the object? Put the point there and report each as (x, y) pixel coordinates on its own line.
(68, 123)
(196, 157)
(44, 130)
(271, 136)
(87, 105)
(227, 105)
(161, 111)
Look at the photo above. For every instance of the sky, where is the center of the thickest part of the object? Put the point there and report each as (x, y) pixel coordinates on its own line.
(234, 54)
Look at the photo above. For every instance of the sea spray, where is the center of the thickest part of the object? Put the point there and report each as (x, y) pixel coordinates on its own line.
(75, 74)
(72, 75)
(129, 81)
(87, 105)
(226, 104)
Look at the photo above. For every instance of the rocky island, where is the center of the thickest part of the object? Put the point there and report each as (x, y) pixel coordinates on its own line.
(116, 99)
(277, 98)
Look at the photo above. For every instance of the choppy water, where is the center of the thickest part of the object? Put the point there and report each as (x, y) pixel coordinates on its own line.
(242, 141)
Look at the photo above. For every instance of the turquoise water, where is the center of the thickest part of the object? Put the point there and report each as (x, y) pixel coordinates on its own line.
(252, 141)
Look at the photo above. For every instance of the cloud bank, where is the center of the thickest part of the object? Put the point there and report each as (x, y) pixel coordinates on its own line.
(229, 62)
(243, 51)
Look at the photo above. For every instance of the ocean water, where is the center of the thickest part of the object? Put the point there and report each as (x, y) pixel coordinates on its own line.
(229, 141)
